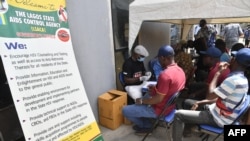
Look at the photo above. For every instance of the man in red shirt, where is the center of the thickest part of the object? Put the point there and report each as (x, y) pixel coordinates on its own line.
(199, 90)
(171, 80)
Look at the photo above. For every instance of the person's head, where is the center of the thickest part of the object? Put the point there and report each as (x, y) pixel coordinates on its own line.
(221, 45)
(180, 46)
(190, 44)
(237, 47)
(211, 56)
(166, 56)
(240, 59)
(200, 45)
(183, 44)
(203, 23)
(139, 53)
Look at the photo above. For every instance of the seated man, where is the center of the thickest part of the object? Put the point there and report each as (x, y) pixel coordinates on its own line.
(225, 100)
(171, 80)
(221, 45)
(211, 59)
(133, 68)
(201, 71)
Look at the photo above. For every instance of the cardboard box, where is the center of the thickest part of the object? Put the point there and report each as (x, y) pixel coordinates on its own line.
(110, 108)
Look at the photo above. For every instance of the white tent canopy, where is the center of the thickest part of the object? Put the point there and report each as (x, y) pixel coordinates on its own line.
(186, 13)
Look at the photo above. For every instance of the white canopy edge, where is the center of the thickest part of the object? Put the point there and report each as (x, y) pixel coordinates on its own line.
(185, 13)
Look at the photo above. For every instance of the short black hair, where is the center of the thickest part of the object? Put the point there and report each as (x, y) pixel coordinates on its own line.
(237, 47)
(190, 43)
(203, 22)
(220, 44)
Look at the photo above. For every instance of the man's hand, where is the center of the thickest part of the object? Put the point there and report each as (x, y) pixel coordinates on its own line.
(195, 106)
(223, 66)
(144, 78)
(138, 101)
(151, 88)
(148, 73)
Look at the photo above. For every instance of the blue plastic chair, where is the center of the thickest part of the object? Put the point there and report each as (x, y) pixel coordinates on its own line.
(121, 78)
(208, 130)
(168, 119)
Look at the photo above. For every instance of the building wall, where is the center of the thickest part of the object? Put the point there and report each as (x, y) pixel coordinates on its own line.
(92, 39)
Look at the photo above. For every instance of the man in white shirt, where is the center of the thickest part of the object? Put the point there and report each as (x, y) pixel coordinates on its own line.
(231, 34)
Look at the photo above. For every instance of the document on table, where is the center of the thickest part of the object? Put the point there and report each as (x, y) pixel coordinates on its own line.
(145, 85)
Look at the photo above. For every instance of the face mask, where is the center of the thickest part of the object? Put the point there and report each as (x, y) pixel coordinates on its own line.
(141, 59)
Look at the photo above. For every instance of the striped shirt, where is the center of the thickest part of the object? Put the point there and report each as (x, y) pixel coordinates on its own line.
(231, 91)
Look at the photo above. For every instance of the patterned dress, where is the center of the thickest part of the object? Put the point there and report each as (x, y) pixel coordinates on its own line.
(184, 60)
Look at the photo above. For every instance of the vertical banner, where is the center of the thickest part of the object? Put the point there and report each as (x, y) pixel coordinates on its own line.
(46, 86)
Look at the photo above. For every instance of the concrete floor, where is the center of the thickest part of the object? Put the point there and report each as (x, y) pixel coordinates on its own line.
(126, 133)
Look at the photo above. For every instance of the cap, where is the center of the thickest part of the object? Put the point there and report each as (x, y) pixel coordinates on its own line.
(212, 51)
(166, 51)
(242, 56)
(141, 50)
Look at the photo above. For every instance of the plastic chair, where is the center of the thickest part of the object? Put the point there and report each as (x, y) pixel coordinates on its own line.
(155, 68)
(121, 78)
(208, 130)
(167, 119)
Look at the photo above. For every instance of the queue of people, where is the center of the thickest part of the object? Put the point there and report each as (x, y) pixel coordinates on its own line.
(224, 74)
(222, 100)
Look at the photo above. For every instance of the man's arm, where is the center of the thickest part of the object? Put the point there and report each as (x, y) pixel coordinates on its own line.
(211, 95)
(202, 102)
(152, 100)
(128, 76)
(131, 80)
(241, 33)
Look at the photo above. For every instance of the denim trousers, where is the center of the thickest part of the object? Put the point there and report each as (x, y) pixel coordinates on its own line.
(183, 117)
(140, 115)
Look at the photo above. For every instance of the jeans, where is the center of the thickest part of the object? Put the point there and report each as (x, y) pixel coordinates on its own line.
(190, 117)
(139, 114)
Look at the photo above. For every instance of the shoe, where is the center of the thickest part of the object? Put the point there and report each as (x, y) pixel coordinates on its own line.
(143, 132)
